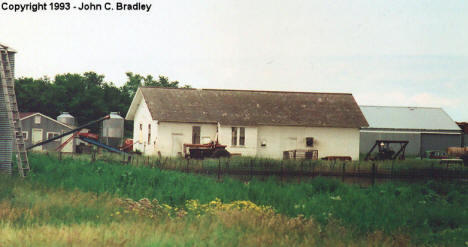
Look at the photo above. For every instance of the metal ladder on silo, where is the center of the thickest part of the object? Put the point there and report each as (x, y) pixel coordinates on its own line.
(8, 85)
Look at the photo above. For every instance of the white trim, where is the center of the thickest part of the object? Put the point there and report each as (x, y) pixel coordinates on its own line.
(27, 135)
(238, 136)
(52, 132)
(47, 117)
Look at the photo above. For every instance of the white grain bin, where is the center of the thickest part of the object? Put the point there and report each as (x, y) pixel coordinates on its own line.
(113, 130)
(6, 132)
(66, 118)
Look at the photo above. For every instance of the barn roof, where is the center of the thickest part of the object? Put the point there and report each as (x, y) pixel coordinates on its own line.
(410, 118)
(24, 115)
(247, 107)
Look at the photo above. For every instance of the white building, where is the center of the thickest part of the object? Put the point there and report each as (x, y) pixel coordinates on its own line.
(250, 123)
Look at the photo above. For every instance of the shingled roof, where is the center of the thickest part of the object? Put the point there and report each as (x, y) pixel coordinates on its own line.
(250, 108)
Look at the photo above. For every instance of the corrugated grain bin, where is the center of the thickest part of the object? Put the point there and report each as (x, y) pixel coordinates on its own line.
(6, 133)
(113, 130)
(66, 118)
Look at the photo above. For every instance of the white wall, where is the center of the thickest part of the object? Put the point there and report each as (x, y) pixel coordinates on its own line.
(172, 136)
(328, 141)
(140, 137)
(250, 147)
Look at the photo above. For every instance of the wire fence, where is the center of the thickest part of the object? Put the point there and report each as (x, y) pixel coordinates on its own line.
(247, 168)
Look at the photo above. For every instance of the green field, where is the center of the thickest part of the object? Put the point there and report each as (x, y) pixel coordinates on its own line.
(82, 203)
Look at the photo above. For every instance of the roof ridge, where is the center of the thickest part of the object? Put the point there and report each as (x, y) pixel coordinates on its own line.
(245, 90)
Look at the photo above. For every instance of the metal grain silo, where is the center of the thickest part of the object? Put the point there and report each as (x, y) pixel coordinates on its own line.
(113, 130)
(66, 118)
(6, 132)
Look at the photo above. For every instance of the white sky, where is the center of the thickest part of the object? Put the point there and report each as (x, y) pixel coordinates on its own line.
(384, 52)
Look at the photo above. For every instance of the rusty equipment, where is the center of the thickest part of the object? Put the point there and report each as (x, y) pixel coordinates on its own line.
(339, 158)
(385, 152)
(209, 150)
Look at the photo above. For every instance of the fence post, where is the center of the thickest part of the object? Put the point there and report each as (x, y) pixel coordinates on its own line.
(432, 170)
(187, 167)
(302, 170)
(251, 169)
(219, 170)
(391, 171)
(282, 171)
(373, 173)
(343, 171)
(312, 165)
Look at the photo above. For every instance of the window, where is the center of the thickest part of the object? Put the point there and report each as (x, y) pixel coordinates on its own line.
(238, 136)
(241, 136)
(51, 135)
(141, 127)
(234, 136)
(149, 133)
(37, 119)
(196, 134)
(25, 135)
(309, 141)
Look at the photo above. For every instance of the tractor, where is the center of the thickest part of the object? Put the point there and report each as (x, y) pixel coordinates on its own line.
(209, 150)
(385, 152)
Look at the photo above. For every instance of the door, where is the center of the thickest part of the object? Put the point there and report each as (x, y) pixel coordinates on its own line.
(69, 147)
(177, 144)
(36, 136)
(196, 134)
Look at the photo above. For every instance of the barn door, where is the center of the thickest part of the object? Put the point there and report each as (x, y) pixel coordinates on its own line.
(36, 137)
(69, 147)
(177, 144)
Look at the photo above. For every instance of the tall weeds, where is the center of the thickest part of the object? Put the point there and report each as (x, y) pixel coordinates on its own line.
(430, 212)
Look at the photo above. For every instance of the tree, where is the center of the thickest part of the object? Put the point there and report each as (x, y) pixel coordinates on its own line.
(135, 80)
(86, 96)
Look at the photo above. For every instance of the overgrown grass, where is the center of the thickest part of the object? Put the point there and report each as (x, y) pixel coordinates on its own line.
(32, 216)
(429, 212)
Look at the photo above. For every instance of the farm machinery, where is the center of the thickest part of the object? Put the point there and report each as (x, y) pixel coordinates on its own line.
(385, 152)
(213, 149)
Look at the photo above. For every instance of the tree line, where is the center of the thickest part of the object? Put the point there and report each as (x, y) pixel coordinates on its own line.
(86, 96)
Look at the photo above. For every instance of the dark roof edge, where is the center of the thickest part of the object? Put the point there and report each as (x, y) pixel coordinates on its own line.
(245, 90)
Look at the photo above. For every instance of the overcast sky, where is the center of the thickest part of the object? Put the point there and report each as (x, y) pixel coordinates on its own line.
(410, 53)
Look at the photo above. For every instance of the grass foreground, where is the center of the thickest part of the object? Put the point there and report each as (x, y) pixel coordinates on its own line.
(57, 217)
(71, 202)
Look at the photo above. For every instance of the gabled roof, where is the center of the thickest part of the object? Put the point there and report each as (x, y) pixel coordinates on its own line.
(25, 115)
(410, 118)
(249, 108)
